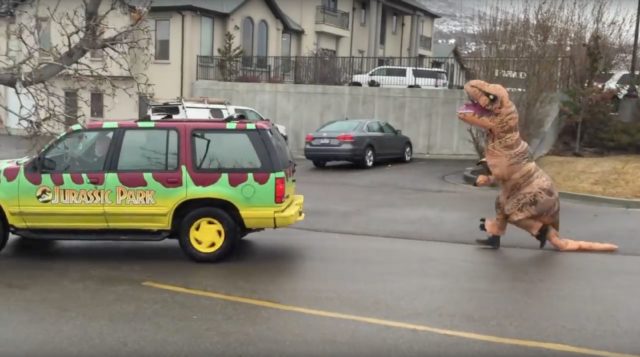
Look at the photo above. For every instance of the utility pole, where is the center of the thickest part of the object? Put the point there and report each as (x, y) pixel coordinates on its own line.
(634, 79)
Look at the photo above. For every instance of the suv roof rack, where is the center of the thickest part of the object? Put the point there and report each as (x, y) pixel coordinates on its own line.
(199, 100)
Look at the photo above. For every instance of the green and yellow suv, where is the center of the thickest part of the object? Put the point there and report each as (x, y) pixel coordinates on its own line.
(206, 183)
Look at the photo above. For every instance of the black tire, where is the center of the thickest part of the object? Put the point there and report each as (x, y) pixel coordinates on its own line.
(368, 159)
(319, 164)
(414, 86)
(4, 233)
(355, 84)
(407, 153)
(221, 221)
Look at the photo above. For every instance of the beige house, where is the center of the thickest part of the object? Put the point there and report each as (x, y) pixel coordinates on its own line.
(85, 96)
(185, 30)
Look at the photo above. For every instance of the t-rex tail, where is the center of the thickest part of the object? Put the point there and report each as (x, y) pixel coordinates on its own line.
(565, 244)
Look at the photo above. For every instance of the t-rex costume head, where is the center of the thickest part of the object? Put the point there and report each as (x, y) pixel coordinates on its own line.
(528, 198)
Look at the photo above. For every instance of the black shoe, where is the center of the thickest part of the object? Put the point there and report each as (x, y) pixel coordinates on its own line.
(542, 235)
(493, 242)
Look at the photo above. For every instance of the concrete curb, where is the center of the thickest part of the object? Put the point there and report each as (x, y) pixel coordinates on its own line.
(619, 202)
(469, 178)
(300, 156)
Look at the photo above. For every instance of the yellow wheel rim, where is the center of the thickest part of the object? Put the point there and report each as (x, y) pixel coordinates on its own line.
(206, 235)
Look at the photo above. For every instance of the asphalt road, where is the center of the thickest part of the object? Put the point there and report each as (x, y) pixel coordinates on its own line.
(382, 265)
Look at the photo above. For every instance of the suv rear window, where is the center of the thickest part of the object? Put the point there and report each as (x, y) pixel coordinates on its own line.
(217, 113)
(226, 150)
(343, 125)
(282, 150)
(165, 109)
(625, 79)
(422, 73)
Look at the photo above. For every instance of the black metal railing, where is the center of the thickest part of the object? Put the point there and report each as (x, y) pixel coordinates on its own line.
(425, 42)
(437, 72)
(333, 17)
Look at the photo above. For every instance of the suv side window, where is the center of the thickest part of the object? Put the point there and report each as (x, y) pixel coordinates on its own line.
(379, 72)
(80, 151)
(374, 127)
(149, 150)
(227, 150)
(396, 72)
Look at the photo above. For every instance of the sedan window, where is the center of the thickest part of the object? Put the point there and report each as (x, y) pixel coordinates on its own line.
(388, 128)
(374, 127)
(343, 125)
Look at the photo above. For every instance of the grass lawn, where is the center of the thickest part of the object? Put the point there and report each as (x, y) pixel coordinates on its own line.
(615, 176)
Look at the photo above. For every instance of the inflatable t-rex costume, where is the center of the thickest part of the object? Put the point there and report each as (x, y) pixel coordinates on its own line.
(528, 198)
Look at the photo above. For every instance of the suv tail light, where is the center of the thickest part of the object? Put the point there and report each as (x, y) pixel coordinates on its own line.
(309, 138)
(345, 137)
(280, 189)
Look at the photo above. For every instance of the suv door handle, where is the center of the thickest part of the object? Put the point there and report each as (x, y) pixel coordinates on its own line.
(94, 181)
(172, 180)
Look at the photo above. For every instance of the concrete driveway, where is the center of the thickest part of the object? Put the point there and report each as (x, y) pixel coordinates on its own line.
(382, 265)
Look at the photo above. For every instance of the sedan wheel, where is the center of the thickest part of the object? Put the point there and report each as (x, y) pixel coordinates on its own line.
(408, 152)
(369, 158)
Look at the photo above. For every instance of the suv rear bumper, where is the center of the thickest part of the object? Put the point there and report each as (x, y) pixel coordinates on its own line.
(292, 214)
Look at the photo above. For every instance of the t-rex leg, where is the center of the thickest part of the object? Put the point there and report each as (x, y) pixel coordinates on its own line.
(494, 227)
(534, 228)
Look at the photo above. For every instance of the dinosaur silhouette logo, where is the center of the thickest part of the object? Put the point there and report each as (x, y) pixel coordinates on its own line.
(43, 194)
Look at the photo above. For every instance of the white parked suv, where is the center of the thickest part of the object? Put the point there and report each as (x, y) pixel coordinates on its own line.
(402, 77)
(618, 81)
(204, 108)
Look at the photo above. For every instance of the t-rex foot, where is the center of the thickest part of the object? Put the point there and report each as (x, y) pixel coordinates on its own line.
(493, 242)
(542, 235)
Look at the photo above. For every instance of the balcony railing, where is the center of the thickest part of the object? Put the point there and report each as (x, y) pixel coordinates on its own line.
(332, 70)
(333, 17)
(425, 42)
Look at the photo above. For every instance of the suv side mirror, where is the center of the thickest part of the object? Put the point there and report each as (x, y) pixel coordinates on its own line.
(44, 164)
(398, 132)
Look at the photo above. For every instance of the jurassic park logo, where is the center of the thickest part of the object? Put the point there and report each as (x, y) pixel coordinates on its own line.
(123, 196)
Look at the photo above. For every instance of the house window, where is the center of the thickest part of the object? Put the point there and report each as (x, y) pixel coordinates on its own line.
(162, 40)
(247, 41)
(97, 105)
(43, 26)
(206, 36)
(394, 26)
(383, 27)
(263, 44)
(363, 15)
(70, 108)
(286, 52)
(330, 4)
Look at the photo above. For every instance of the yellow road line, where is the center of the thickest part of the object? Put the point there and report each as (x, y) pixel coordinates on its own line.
(388, 323)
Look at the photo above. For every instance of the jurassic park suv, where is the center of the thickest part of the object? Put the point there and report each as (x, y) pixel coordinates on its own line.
(205, 183)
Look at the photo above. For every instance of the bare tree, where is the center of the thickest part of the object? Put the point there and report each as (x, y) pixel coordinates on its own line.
(56, 48)
(537, 48)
